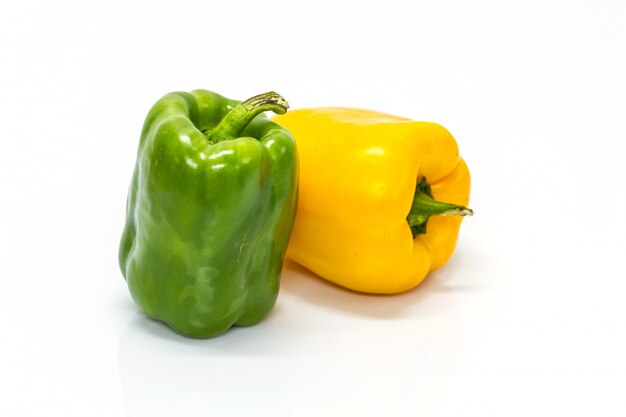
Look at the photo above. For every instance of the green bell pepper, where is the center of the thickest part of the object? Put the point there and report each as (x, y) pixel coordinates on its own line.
(209, 212)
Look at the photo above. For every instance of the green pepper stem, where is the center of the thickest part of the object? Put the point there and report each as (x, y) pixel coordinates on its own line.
(233, 124)
(425, 206)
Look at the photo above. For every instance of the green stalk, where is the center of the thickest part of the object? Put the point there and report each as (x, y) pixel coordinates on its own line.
(424, 206)
(233, 124)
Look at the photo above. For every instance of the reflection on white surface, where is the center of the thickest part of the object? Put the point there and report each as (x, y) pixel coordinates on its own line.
(166, 375)
(380, 355)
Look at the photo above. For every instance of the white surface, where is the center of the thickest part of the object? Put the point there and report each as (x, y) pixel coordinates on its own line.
(527, 319)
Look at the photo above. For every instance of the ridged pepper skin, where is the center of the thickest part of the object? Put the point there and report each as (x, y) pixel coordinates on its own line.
(208, 221)
(358, 175)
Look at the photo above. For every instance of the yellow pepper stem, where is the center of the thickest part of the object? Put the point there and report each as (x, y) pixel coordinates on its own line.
(425, 206)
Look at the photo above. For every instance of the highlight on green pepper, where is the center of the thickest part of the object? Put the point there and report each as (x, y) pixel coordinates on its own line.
(209, 212)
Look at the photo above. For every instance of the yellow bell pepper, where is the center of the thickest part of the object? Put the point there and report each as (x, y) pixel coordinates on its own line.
(366, 182)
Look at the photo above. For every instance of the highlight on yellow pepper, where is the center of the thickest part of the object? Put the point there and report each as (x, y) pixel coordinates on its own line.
(370, 214)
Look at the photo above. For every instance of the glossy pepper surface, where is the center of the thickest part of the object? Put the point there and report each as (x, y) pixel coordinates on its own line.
(367, 219)
(209, 212)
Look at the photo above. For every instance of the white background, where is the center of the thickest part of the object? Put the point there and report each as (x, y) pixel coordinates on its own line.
(527, 319)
